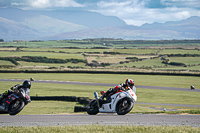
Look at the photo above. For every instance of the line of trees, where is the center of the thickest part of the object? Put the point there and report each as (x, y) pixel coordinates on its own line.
(120, 41)
(182, 55)
(174, 63)
(40, 59)
(11, 59)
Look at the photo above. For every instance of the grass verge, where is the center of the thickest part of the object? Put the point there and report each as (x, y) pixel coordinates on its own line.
(101, 129)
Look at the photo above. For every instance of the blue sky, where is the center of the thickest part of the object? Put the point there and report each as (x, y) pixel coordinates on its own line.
(133, 12)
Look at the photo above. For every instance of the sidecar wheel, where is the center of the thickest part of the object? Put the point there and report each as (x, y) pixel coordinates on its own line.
(16, 106)
(124, 106)
(92, 108)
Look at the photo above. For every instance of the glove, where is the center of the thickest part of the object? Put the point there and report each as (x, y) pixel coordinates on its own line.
(12, 88)
(103, 92)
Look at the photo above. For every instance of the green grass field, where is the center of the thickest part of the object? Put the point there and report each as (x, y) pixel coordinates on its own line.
(144, 95)
(180, 51)
(186, 60)
(43, 54)
(81, 50)
(146, 63)
(149, 80)
(6, 63)
(136, 51)
(35, 65)
(49, 44)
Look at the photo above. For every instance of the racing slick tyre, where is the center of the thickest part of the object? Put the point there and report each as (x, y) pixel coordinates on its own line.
(16, 106)
(92, 108)
(124, 106)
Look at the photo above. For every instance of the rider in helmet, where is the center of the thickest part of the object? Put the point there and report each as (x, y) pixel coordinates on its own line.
(26, 84)
(129, 83)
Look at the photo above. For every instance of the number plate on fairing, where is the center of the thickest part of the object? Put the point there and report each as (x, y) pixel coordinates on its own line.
(132, 92)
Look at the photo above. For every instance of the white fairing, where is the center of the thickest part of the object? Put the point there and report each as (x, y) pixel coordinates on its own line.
(111, 107)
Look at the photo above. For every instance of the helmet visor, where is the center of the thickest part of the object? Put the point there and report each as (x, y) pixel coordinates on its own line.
(131, 86)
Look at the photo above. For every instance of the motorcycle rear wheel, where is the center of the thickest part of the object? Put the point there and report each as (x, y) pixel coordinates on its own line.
(124, 106)
(16, 106)
(92, 108)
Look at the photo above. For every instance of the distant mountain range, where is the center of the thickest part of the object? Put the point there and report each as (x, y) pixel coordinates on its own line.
(17, 24)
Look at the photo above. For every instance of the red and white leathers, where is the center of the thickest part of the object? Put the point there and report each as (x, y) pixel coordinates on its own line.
(129, 83)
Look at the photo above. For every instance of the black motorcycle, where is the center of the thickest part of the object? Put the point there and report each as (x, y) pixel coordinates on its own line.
(15, 102)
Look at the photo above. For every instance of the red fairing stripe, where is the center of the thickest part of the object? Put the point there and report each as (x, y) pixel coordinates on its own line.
(8, 102)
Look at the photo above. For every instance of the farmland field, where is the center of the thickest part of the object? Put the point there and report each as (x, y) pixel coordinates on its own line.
(102, 55)
(44, 54)
(180, 51)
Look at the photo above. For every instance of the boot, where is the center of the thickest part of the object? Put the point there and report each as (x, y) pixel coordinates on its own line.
(101, 99)
(2, 106)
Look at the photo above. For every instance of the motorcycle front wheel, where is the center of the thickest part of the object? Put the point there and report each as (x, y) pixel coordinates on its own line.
(16, 106)
(92, 108)
(124, 106)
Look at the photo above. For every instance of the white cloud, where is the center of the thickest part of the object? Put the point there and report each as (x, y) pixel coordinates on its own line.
(104, 4)
(134, 12)
(182, 3)
(17, 4)
(40, 3)
(67, 3)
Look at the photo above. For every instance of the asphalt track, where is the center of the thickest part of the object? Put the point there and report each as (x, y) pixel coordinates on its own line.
(100, 119)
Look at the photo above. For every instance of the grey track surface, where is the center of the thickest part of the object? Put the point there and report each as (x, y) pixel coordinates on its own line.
(100, 119)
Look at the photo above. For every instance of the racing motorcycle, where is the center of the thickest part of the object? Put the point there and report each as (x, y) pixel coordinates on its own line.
(15, 102)
(121, 103)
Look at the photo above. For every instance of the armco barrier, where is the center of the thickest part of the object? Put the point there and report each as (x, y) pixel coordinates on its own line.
(82, 100)
(80, 109)
(104, 72)
(56, 98)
